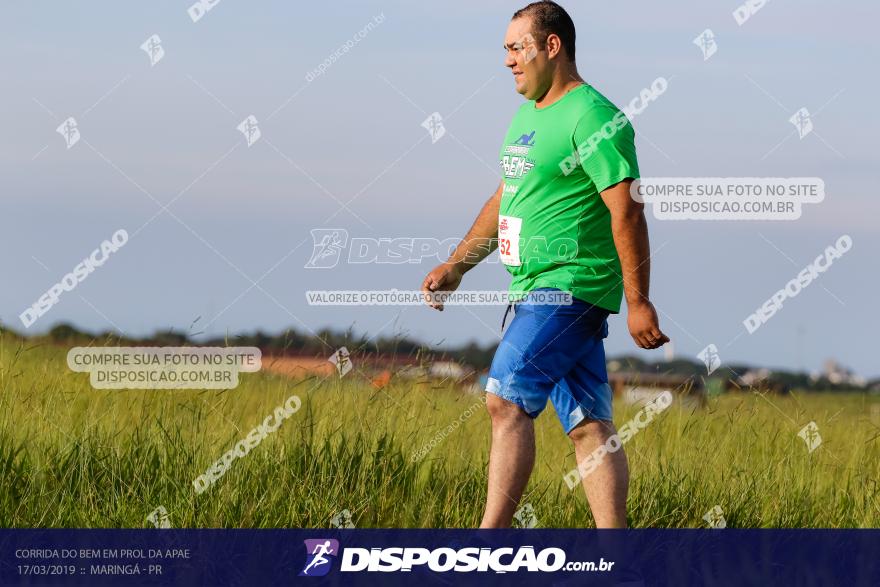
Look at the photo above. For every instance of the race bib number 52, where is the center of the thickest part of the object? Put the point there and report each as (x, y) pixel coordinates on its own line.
(508, 239)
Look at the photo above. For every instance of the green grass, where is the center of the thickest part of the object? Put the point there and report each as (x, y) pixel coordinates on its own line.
(72, 456)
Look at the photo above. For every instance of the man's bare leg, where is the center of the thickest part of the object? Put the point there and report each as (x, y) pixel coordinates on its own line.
(511, 459)
(606, 486)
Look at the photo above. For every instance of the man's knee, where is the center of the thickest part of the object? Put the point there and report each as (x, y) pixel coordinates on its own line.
(593, 432)
(503, 411)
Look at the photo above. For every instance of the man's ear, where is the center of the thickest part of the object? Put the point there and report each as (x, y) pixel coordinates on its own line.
(554, 46)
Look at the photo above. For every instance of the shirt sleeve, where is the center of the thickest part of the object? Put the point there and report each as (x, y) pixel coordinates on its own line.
(605, 144)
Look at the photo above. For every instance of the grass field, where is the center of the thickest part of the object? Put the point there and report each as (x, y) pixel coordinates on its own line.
(72, 456)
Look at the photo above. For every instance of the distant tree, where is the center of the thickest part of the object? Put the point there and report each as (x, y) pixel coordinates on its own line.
(170, 338)
(64, 332)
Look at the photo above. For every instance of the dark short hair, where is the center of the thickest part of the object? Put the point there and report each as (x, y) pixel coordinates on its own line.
(549, 18)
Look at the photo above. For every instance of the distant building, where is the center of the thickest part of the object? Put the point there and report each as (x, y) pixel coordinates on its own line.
(837, 374)
(447, 369)
(637, 388)
(753, 377)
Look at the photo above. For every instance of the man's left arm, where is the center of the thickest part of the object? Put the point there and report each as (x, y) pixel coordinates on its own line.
(630, 231)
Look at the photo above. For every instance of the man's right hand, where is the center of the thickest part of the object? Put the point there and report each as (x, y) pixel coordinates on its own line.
(444, 277)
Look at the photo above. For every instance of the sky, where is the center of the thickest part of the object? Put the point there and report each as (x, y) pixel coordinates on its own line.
(220, 232)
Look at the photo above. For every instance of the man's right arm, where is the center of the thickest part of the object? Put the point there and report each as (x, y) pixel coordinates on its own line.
(477, 244)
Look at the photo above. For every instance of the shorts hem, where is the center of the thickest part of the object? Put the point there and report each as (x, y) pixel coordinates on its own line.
(574, 420)
(509, 398)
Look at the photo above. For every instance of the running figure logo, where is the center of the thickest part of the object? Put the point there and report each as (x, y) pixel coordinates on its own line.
(327, 245)
(802, 122)
(317, 552)
(341, 359)
(706, 42)
(710, 358)
(153, 48)
(810, 435)
(434, 125)
(70, 131)
(250, 129)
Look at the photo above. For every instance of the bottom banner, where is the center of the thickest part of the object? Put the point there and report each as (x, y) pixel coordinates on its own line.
(439, 557)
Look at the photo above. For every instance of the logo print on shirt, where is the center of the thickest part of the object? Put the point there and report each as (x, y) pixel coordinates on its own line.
(516, 167)
(526, 140)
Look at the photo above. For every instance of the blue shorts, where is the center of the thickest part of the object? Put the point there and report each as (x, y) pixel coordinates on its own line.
(554, 351)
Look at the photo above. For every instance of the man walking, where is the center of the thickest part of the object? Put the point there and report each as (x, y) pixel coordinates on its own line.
(564, 223)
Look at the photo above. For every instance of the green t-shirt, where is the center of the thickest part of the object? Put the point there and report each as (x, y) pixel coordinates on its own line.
(554, 230)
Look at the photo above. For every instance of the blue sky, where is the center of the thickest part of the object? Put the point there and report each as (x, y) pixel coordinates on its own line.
(168, 132)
